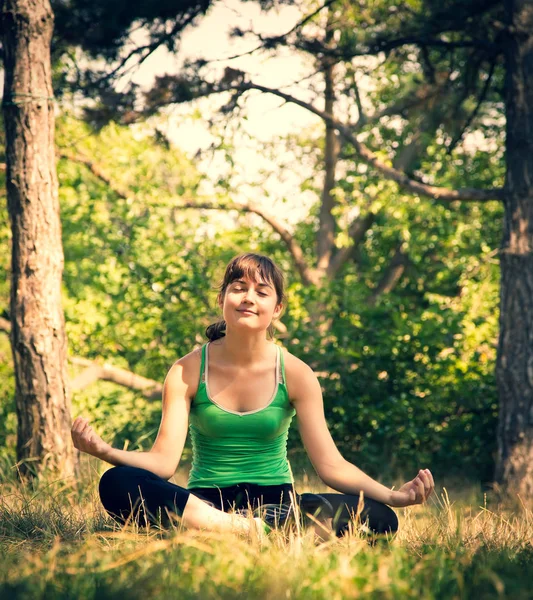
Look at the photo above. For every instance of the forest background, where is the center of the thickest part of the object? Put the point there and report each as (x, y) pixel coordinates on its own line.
(392, 297)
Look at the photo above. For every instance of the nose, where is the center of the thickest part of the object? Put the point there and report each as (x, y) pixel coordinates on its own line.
(247, 297)
(250, 294)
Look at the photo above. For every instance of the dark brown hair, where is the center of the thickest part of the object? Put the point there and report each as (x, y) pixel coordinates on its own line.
(248, 266)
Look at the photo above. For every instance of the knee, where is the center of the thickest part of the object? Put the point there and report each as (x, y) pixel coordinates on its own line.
(376, 519)
(115, 483)
(382, 519)
(120, 493)
(390, 521)
(111, 478)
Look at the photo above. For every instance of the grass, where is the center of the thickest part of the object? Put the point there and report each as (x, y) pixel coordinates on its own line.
(56, 542)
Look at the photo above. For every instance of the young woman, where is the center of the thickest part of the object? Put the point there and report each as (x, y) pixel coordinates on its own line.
(237, 395)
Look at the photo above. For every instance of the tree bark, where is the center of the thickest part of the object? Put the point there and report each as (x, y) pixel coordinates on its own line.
(514, 468)
(38, 331)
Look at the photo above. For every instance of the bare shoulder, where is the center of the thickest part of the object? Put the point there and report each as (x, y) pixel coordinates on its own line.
(294, 364)
(185, 372)
(300, 376)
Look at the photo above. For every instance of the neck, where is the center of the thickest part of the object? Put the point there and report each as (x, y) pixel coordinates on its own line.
(244, 349)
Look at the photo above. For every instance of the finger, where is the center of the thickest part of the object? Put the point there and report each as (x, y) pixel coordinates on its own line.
(423, 476)
(430, 485)
(87, 433)
(76, 424)
(76, 431)
(430, 478)
(421, 491)
(77, 435)
(82, 423)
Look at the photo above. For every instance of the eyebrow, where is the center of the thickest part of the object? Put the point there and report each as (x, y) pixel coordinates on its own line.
(246, 283)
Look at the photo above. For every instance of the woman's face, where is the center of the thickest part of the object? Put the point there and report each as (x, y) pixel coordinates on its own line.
(250, 305)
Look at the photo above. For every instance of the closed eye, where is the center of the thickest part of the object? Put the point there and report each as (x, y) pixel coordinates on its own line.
(241, 289)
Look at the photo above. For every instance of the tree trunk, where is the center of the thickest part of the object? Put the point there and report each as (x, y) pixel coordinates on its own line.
(38, 331)
(514, 468)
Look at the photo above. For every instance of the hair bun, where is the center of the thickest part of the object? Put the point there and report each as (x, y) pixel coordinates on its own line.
(216, 331)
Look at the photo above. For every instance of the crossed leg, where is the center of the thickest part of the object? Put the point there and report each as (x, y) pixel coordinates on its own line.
(129, 493)
(132, 493)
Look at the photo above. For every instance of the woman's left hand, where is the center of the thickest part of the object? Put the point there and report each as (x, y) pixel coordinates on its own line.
(416, 491)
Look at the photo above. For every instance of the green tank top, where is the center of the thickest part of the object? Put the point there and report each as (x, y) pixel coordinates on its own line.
(230, 447)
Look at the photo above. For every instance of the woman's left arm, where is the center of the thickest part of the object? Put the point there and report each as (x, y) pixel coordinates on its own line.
(331, 467)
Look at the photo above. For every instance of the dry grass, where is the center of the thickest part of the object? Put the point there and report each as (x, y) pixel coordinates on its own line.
(56, 542)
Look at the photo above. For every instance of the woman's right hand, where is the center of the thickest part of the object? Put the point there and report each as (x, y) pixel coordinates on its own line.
(87, 440)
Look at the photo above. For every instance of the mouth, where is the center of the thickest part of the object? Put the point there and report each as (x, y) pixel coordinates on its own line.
(247, 312)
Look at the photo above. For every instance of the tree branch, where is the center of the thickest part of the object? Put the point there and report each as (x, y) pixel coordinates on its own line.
(146, 51)
(389, 172)
(474, 113)
(309, 276)
(362, 118)
(94, 169)
(410, 185)
(272, 41)
(430, 31)
(391, 276)
(150, 389)
(425, 131)
(386, 46)
(417, 98)
(356, 231)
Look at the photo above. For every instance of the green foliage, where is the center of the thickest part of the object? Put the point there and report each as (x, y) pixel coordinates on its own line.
(137, 269)
(131, 262)
(121, 417)
(7, 405)
(7, 382)
(407, 383)
(413, 388)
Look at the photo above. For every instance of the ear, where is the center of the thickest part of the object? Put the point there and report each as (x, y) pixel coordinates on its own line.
(277, 311)
(220, 300)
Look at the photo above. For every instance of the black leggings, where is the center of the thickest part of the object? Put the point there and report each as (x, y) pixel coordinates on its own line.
(129, 492)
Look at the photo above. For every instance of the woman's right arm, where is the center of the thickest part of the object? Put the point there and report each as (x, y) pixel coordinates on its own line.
(163, 459)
